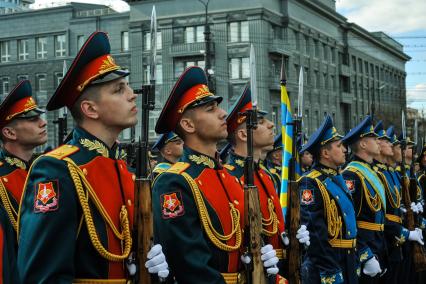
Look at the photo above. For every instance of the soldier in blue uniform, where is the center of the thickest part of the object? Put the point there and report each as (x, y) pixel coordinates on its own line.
(76, 212)
(198, 206)
(22, 129)
(369, 198)
(327, 211)
(170, 146)
(395, 233)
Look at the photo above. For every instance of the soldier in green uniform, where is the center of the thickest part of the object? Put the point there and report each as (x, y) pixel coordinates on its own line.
(272, 217)
(274, 161)
(22, 129)
(369, 200)
(198, 206)
(171, 147)
(76, 213)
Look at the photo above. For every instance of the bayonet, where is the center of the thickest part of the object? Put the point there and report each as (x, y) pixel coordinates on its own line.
(283, 76)
(300, 95)
(153, 59)
(404, 133)
(416, 132)
(253, 82)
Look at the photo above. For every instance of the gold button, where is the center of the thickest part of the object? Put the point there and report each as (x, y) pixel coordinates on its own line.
(121, 166)
(133, 177)
(199, 181)
(69, 146)
(344, 214)
(5, 179)
(129, 202)
(349, 233)
(237, 180)
(236, 202)
(261, 175)
(223, 175)
(85, 171)
(337, 197)
(272, 197)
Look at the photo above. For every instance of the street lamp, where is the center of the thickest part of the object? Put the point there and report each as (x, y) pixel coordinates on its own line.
(207, 40)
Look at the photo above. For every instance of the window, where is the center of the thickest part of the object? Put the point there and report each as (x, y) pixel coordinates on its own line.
(4, 86)
(181, 64)
(60, 45)
(42, 48)
(5, 51)
(125, 41)
(317, 79)
(41, 82)
(239, 68)
(333, 83)
(178, 35)
(23, 49)
(306, 45)
(333, 55)
(366, 68)
(148, 41)
(325, 79)
(316, 48)
(58, 78)
(80, 41)
(194, 34)
(354, 63)
(22, 77)
(239, 31)
(325, 48)
(158, 71)
(296, 39)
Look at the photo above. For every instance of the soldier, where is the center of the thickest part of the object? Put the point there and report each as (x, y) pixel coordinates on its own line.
(272, 216)
(171, 147)
(421, 176)
(327, 211)
(77, 208)
(198, 206)
(395, 233)
(369, 200)
(22, 129)
(274, 161)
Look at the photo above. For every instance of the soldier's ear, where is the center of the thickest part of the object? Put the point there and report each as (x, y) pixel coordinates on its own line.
(241, 134)
(9, 133)
(187, 124)
(89, 109)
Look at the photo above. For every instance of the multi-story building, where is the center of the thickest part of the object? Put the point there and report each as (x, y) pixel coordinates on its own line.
(346, 68)
(10, 6)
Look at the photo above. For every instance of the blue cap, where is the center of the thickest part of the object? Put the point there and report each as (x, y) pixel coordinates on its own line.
(380, 131)
(163, 139)
(408, 141)
(364, 129)
(390, 132)
(278, 142)
(325, 133)
(223, 154)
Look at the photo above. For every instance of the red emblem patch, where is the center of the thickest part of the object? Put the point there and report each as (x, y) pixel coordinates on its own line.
(172, 205)
(350, 184)
(307, 196)
(46, 197)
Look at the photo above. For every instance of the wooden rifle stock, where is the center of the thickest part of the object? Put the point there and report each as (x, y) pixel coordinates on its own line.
(294, 262)
(252, 214)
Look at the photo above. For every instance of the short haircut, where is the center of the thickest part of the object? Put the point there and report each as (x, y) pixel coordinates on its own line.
(92, 93)
(12, 123)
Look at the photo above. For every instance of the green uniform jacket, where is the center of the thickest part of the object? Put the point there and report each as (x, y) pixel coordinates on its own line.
(54, 242)
(190, 246)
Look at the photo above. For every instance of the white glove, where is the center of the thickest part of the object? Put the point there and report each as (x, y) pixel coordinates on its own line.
(303, 235)
(371, 267)
(285, 239)
(157, 263)
(131, 264)
(416, 236)
(270, 259)
(419, 207)
(414, 207)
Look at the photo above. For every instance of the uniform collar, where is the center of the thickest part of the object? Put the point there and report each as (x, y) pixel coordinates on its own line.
(358, 159)
(236, 159)
(202, 160)
(93, 144)
(325, 170)
(12, 160)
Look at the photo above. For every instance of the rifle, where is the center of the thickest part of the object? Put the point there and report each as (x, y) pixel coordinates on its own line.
(410, 185)
(143, 218)
(252, 216)
(62, 125)
(294, 262)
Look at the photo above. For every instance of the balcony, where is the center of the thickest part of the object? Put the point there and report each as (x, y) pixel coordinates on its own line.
(344, 70)
(278, 46)
(189, 49)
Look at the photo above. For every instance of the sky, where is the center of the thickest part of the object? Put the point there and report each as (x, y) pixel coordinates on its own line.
(404, 20)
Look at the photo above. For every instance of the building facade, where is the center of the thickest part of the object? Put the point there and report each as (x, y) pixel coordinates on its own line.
(346, 68)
